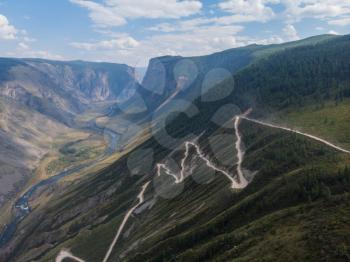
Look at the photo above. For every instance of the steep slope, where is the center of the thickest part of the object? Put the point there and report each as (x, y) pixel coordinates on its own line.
(304, 87)
(26, 137)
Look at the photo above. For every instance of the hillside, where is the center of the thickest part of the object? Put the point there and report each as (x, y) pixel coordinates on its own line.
(203, 218)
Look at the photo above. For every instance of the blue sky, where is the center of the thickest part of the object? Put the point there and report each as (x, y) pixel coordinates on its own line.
(131, 32)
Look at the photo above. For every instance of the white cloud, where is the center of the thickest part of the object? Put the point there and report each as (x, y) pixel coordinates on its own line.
(290, 33)
(27, 53)
(155, 8)
(184, 25)
(100, 14)
(319, 9)
(38, 54)
(198, 41)
(24, 50)
(247, 10)
(7, 31)
(125, 42)
(21, 47)
(44, 54)
(242, 11)
(341, 21)
(115, 12)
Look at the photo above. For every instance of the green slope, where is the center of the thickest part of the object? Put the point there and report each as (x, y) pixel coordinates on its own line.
(206, 221)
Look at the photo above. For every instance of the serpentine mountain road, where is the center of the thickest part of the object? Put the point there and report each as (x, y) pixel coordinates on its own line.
(179, 178)
(242, 183)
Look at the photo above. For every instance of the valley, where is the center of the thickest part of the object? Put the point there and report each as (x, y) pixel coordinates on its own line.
(65, 146)
(252, 163)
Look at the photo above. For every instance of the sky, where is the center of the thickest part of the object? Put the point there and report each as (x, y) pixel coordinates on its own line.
(133, 31)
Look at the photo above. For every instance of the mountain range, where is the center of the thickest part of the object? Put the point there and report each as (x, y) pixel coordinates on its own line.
(241, 155)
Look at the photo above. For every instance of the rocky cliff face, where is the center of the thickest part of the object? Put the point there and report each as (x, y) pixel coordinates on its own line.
(63, 89)
(94, 82)
(174, 77)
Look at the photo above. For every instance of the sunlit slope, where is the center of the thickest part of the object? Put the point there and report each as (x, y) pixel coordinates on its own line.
(330, 120)
(26, 137)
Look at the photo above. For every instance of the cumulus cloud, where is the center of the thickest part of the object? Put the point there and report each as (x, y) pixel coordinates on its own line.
(155, 8)
(247, 10)
(242, 11)
(7, 31)
(319, 9)
(116, 12)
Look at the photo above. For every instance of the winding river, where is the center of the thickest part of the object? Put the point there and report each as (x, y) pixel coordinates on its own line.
(22, 207)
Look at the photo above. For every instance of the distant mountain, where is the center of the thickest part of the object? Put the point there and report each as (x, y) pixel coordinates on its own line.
(171, 78)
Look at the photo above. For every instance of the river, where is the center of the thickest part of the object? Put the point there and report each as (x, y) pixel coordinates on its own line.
(22, 207)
